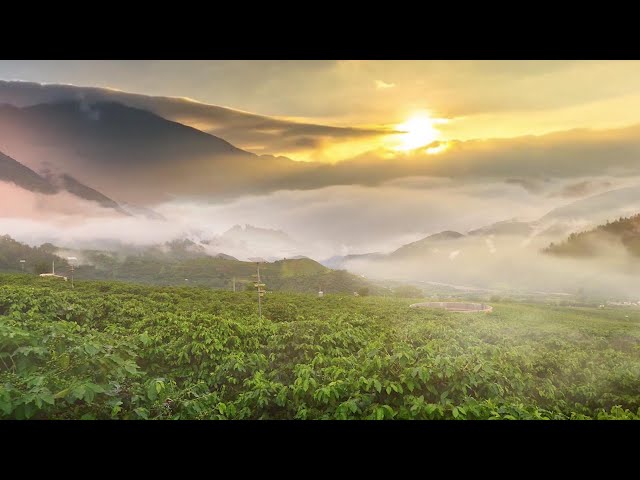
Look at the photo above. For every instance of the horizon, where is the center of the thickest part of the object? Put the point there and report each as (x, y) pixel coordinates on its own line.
(198, 148)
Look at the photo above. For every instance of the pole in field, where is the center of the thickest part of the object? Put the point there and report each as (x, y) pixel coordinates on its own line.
(259, 285)
(260, 293)
(234, 284)
(71, 268)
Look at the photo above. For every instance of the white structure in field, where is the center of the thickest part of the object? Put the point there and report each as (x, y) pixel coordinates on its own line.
(53, 273)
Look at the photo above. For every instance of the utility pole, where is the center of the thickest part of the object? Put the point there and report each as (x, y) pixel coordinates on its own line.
(71, 268)
(259, 286)
(234, 284)
(260, 293)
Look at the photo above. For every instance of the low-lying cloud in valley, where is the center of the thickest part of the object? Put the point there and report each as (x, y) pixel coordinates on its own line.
(174, 182)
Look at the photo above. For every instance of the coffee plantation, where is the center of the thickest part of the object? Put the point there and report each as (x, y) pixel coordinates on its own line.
(108, 350)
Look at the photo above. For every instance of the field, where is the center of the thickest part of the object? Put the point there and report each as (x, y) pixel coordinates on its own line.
(107, 350)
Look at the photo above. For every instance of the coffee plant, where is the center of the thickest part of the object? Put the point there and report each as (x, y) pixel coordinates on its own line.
(108, 350)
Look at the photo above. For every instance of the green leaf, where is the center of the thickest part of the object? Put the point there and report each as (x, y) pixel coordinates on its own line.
(379, 413)
(131, 367)
(90, 349)
(94, 388)
(5, 406)
(142, 413)
(145, 339)
(152, 394)
(47, 397)
(78, 392)
(64, 361)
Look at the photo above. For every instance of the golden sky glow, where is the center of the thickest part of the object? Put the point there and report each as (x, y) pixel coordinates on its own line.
(418, 131)
(479, 99)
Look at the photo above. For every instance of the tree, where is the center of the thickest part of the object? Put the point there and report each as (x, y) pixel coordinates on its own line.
(363, 292)
(41, 267)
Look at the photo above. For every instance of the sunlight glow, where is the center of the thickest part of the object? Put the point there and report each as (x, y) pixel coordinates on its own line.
(419, 131)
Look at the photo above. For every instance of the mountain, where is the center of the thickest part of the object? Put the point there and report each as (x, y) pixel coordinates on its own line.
(598, 208)
(248, 233)
(506, 227)
(423, 246)
(427, 244)
(139, 211)
(37, 259)
(341, 262)
(73, 186)
(16, 173)
(602, 240)
(577, 215)
(12, 171)
(183, 262)
(117, 147)
(245, 241)
(110, 131)
(272, 134)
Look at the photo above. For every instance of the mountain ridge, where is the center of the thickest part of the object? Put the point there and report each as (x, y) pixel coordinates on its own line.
(12, 171)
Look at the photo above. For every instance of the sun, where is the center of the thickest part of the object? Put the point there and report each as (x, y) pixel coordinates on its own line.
(418, 131)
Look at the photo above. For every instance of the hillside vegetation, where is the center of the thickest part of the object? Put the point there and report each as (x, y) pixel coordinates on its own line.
(623, 232)
(184, 262)
(118, 351)
(39, 258)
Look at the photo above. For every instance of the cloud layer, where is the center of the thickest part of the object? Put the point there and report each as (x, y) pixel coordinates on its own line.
(257, 133)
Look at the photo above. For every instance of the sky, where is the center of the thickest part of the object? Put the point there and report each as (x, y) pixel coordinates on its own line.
(471, 99)
(351, 156)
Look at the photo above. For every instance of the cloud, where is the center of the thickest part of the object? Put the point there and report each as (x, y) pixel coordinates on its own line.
(530, 185)
(583, 188)
(324, 221)
(242, 129)
(381, 85)
(527, 162)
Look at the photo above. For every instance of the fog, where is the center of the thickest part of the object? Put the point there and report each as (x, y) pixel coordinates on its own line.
(342, 220)
(320, 222)
(509, 264)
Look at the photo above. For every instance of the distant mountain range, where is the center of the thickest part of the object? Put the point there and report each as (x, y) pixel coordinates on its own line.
(245, 241)
(598, 208)
(181, 262)
(12, 171)
(426, 245)
(137, 156)
(557, 224)
(624, 232)
(507, 227)
(340, 261)
(16, 173)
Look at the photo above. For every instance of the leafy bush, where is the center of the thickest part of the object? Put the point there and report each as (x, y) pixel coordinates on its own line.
(111, 350)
